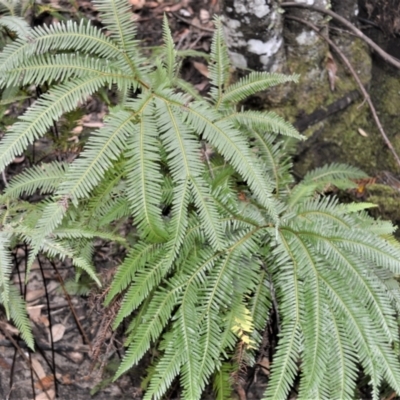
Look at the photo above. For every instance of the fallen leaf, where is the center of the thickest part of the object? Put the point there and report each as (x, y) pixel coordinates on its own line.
(202, 68)
(35, 313)
(362, 132)
(204, 16)
(265, 366)
(58, 331)
(332, 69)
(37, 368)
(33, 295)
(77, 130)
(93, 124)
(45, 383)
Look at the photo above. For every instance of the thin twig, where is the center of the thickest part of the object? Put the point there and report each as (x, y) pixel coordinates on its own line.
(67, 296)
(202, 28)
(357, 79)
(3, 327)
(387, 57)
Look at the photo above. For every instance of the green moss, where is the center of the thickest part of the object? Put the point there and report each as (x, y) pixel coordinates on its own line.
(388, 201)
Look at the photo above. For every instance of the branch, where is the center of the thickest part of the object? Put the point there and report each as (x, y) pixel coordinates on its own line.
(357, 79)
(387, 57)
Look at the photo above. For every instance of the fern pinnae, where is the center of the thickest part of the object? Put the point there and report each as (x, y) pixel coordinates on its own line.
(116, 15)
(103, 148)
(166, 370)
(262, 121)
(158, 313)
(228, 141)
(15, 24)
(284, 368)
(219, 63)
(362, 285)
(5, 271)
(169, 50)
(253, 83)
(207, 212)
(36, 121)
(144, 179)
(342, 366)
(63, 36)
(343, 305)
(61, 67)
(19, 316)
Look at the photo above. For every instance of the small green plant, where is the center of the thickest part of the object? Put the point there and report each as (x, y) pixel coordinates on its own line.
(221, 233)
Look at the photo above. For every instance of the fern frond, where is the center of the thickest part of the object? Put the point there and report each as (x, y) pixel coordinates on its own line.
(45, 177)
(5, 271)
(60, 67)
(262, 121)
(219, 63)
(144, 179)
(37, 120)
(63, 36)
(253, 83)
(103, 148)
(169, 49)
(19, 316)
(116, 15)
(284, 368)
(16, 24)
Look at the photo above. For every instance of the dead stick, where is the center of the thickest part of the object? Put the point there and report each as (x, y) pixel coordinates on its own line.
(357, 79)
(387, 57)
(11, 339)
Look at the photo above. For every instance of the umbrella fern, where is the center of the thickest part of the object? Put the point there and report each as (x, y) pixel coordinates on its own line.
(217, 236)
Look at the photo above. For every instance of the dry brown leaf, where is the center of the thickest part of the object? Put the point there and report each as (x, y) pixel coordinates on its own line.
(45, 383)
(33, 295)
(76, 356)
(35, 313)
(202, 68)
(44, 320)
(93, 124)
(9, 328)
(265, 366)
(332, 70)
(362, 132)
(58, 331)
(37, 368)
(77, 130)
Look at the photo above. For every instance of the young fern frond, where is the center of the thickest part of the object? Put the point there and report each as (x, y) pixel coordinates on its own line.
(221, 235)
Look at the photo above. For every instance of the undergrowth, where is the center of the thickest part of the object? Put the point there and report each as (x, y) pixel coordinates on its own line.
(222, 233)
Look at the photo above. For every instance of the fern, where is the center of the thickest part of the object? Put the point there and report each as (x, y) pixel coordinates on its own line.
(220, 229)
